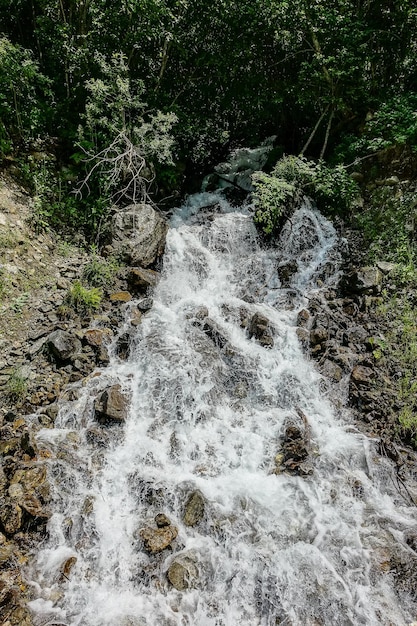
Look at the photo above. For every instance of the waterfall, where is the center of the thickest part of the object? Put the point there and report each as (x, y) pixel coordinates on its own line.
(209, 407)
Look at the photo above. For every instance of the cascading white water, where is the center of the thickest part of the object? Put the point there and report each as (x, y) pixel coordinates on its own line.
(208, 411)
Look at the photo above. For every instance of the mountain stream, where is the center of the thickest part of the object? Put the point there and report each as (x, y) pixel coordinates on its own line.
(208, 412)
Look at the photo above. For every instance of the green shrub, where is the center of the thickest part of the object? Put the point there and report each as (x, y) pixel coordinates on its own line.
(273, 198)
(83, 300)
(331, 188)
(17, 385)
(99, 272)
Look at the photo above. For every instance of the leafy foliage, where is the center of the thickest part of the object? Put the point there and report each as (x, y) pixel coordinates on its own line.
(83, 300)
(24, 95)
(292, 177)
(272, 197)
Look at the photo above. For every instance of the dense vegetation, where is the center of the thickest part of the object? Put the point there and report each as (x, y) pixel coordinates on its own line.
(132, 94)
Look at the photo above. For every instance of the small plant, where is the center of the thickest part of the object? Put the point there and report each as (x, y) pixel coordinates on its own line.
(82, 299)
(100, 272)
(17, 385)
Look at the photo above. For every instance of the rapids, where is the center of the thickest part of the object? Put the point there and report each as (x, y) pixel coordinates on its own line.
(207, 413)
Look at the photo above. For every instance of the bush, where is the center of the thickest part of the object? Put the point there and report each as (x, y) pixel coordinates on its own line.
(273, 198)
(83, 300)
(331, 188)
(100, 272)
(17, 385)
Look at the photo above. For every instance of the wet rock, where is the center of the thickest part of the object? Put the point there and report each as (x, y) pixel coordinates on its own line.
(67, 566)
(97, 337)
(161, 520)
(303, 318)
(145, 304)
(198, 313)
(139, 234)
(213, 331)
(194, 509)
(318, 335)
(332, 371)
(123, 346)
(260, 328)
(111, 405)
(63, 345)
(135, 317)
(183, 573)
(295, 447)
(286, 271)
(140, 279)
(158, 539)
(303, 336)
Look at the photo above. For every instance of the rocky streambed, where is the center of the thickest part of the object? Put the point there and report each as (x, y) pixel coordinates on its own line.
(54, 347)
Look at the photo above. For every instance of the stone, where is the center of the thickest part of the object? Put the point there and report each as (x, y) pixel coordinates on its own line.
(63, 345)
(364, 280)
(385, 266)
(183, 573)
(286, 271)
(158, 539)
(318, 335)
(140, 279)
(121, 296)
(111, 405)
(139, 234)
(67, 566)
(135, 317)
(332, 370)
(194, 509)
(293, 456)
(97, 337)
(260, 328)
(161, 520)
(303, 318)
(10, 516)
(145, 304)
(362, 375)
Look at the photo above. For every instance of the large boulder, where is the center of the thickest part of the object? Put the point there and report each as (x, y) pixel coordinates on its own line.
(139, 234)
(63, 345)
(111, 405)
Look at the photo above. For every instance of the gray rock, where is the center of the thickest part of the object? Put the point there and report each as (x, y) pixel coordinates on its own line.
(183, 572)
(111, 405)
(194, 509)
(260, 328)
(139, 234)
(63, 345)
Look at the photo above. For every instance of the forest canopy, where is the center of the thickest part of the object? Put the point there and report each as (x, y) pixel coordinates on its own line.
(185, 80)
